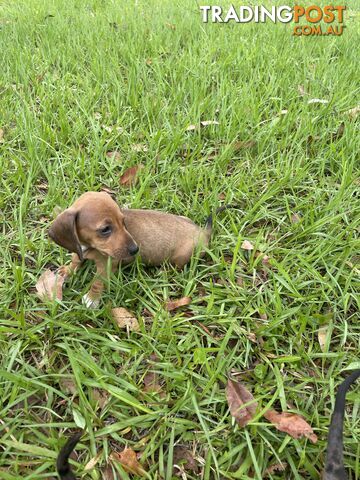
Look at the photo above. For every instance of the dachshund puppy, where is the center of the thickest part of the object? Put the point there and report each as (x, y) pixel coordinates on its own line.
(96, 228)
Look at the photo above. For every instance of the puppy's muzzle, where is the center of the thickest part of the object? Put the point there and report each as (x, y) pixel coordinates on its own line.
(133, 249)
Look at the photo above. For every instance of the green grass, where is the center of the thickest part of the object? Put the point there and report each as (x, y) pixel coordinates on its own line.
(68, 68)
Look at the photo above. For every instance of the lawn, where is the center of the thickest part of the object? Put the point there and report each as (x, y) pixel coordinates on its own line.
(80, 79)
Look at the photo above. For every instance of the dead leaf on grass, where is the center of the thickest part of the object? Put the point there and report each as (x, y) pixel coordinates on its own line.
(237, 396)
(322, 335)
(1, 135)
(125, 319)
(246, 245)
(353, 112)
(128, 460)
(292, 424)
(243, 144)
(93, 462)
(114, 155)
(276, 467)
(139, 147)
(339, 132)
(49, 285)
(174, 304)
(301, 90)
(100, 396)
(129, 176)
(205, 123)
(313, 101)
(295, 218)
(184, 460)
(68, 385)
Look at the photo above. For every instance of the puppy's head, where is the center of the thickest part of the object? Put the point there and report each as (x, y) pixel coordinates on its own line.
(94, 221)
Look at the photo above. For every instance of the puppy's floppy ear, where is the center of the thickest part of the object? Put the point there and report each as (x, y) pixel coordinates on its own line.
(63, 232)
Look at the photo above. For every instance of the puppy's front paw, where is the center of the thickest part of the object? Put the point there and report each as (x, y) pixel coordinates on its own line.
(90, 302)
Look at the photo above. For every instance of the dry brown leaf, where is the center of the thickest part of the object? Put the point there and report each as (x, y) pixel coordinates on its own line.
(317, 100)
(125, 319)
(246, 245)
(68, 385)
(244, 144)
(129, 176)
(322, 334)
(353, 112)
(237, 396)
(139, 147)
(114, 155)
(339, 132)
(276, 467)
(184, 460)
(295, 218)
(93, 462)
(100, 396)
(49, 285)
(174, 304)
(222, 196)
(128, 460)
(292, 424)
(1, 135)
(151, 383)
(107, 473)
(301, 90)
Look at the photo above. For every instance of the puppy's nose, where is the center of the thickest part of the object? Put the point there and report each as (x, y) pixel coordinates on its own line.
(133, 249)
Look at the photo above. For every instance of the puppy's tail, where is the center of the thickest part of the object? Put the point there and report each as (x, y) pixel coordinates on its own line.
(62, 463)
(334, 465)
(209, 220)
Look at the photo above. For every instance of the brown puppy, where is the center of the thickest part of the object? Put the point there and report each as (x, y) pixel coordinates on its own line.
(96, 228)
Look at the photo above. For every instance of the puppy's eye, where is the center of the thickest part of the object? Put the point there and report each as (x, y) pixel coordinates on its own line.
(105, 231)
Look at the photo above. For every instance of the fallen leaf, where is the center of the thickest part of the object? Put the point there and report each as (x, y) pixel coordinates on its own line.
(49, 286)
(114, 155)
(174, 304)
(1, 135)
(184, 460)
(205, 123)
(301, 90)
(317, 100)
(68, 385)
(128, 460)
(100, 396)
(107, 128)
(276, 467)
(239, 145)
(222, 196)
(139, 147)
(246, 245)
(107, 473)
(125, 319)
(129, 176)
(339, 132)
(292, 424)
(190, 128)
(353, 112)
(92, 462)
(295, 218)
(322, 335)
(265, 260)
(151, 382)
(237, 396)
